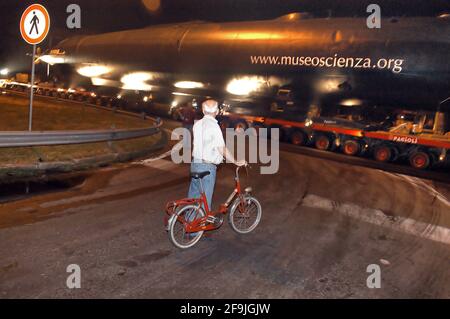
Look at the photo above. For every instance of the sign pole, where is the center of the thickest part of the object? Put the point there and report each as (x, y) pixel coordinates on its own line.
(30, 119)
(38, 17)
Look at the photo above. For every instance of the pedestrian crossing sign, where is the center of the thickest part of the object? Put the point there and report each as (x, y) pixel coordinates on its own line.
(35, 24)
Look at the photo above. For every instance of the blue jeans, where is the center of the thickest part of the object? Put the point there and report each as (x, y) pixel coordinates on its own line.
(207, 181)
(208, 186)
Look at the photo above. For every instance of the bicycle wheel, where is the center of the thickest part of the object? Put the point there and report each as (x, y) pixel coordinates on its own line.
(244, 218)
(177, 227)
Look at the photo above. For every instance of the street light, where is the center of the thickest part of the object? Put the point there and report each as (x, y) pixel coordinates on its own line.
(4, 71)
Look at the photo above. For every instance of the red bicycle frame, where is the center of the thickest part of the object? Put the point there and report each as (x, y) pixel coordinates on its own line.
(202, 224)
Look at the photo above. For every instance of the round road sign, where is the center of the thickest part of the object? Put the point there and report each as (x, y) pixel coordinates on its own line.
(35, 24)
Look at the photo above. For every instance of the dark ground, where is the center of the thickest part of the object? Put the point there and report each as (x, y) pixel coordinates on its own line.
(112, 226)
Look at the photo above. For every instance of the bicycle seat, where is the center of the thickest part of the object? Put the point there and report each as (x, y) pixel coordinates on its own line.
(200, 175)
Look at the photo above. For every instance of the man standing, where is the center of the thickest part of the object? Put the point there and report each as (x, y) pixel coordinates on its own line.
(209, 151)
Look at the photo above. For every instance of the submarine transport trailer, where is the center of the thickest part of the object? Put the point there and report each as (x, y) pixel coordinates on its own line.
(421, 137)
(404, 63)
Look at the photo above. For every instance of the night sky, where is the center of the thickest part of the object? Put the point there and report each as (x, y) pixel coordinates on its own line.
(111, 15)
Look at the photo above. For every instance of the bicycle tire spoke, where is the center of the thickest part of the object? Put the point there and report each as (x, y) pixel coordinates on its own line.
(180, 234)
(242, 221)
(180, 230)
(185, 218)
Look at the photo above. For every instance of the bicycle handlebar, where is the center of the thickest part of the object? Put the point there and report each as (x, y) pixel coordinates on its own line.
(247, 166)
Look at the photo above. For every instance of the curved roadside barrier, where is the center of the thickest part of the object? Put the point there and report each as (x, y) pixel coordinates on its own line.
(43, 153)
(47, 138)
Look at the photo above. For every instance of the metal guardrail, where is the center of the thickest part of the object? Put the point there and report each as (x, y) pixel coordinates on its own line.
(47, 138)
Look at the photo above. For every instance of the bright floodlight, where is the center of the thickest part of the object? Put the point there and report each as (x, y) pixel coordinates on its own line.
(188, 85)
(93, 70)
(4, 71)
(245, 85)
(328, 85)
(352, 102)
(137, 81)
(101, 82)
(52, 59)
(180, 94)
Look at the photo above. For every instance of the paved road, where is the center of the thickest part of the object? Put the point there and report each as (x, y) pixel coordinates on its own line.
(324, 222)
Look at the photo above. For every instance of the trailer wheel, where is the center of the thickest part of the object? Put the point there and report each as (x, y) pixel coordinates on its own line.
(322, 142)
(420, 160)
(351, 147)
(383, 153)
(297, 137)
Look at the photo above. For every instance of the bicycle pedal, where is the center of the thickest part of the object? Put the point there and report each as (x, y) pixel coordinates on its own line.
(211, 219)
(217, 221)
